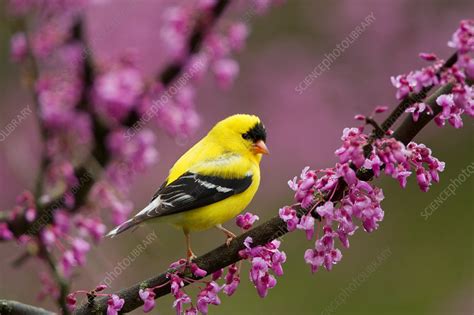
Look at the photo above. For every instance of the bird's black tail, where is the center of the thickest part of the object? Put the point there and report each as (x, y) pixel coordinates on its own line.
(122, 227)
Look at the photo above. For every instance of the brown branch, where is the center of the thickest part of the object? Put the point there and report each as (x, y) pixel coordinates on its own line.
(274, 228)
(8, 307)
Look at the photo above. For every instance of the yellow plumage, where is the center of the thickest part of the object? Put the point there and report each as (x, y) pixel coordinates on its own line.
(221, 153)
(212, 182)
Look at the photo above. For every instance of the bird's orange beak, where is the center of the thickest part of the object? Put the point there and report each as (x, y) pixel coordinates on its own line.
(260, 147)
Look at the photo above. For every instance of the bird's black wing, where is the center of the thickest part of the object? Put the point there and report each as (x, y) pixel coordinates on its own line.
(191, 191)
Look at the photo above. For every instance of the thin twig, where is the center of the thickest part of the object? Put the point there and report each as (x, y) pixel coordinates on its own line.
(9, 307)
(63, 283)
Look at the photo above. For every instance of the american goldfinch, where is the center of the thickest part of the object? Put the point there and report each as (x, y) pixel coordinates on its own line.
(211, 183)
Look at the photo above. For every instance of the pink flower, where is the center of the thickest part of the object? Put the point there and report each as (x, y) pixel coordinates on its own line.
(423, 178)
(67, 262)
(288, 215)
(198, 272)
(30, 214)
(114, 304)
(446, 101)
(278, 259)
(263, 283)
(425, 77)
(263, 259)
(245, 221)
(148, 298)
(100, 287)
(428, 56)
(463, 38)
(5, 233)
(373, 163)
(217, 46)
(180, 299)
(225, 71)
(48, 236)
(217, 275)
(238, 33)
(208, 296)
(18, 47)
(257, 272)
(380, 109)
(450, 112)
(80, 248)
(230, 288)
(175, 30)
(326, 211)
(176, 285)
(307, 224)
(351, 149)
(117, 91)
(404, 85)
(92, 227)
(347, 173)
(416, 109)
(191, 311)
(71, 301)
(304, 187)
(402, 176)
(232, 280)
(314, 258)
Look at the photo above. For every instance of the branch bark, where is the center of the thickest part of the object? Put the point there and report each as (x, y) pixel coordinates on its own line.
(8, 307)
(274, 228)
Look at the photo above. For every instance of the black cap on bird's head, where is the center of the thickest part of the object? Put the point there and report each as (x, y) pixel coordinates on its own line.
(258, 135)
(250, 129)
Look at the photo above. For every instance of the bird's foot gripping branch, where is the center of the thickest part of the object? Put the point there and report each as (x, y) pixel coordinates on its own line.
(336, 201)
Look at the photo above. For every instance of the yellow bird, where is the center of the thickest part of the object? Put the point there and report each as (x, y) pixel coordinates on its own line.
(211, 183)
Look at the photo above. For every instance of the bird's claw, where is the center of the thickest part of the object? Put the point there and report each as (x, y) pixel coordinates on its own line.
(190, 257)
(230, 238)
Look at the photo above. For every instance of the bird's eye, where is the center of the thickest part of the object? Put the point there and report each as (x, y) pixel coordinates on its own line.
(246, 136)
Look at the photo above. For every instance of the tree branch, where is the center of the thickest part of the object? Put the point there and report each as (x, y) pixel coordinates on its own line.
(62, 282)
(274, 228)
(8, 307)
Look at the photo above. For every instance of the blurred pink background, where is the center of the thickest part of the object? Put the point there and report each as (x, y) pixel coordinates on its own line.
(284, 47)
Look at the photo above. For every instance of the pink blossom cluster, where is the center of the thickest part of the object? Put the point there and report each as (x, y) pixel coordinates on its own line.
(398, 161)
(114, 302)
(218, 45)
(67, 237)
(263, 259)
(361, 201)
(71, 250)
(461, 99)
(173, 107)
(360, 204)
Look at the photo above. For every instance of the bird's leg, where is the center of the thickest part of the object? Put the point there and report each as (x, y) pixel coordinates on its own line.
(230, 236)
(189, 252)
